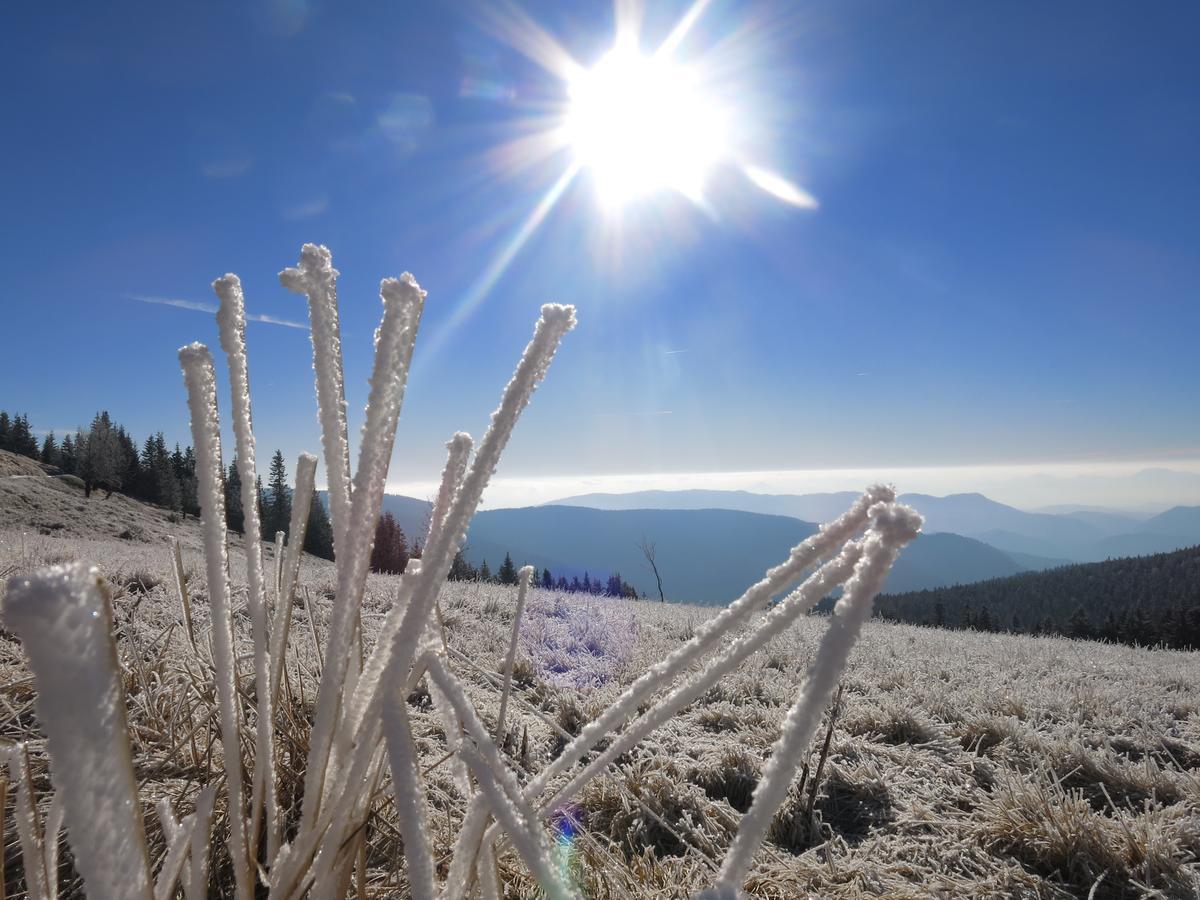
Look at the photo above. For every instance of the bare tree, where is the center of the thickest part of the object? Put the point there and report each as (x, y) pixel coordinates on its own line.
(649, 550)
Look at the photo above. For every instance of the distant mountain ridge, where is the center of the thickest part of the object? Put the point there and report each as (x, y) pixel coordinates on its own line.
(1077, 536)
(705, 556)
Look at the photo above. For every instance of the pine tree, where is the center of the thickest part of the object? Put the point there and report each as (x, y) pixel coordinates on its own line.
(66, 455)
(102, 462)
(389, 553)
(21, 439)
(1079, 626)
(508, 571)
(5, 431)
(49, 452)
(547, 579)
(278, 511)
(318, 535)
(485, 574)
(461, 570)
(235, 516)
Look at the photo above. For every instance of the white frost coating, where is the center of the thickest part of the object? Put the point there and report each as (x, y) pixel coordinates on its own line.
(403, 301)
(401, 631)
(33, 857)
(534, 853)
(316, 278)
(231, 322)
(409, 798)
(782, 617)
(827, 539)
(195, 882)
(458, 452)
(63, 616)
(306, 470)
(892, 526)
(197, 365)
(525, 575)
(500, 786)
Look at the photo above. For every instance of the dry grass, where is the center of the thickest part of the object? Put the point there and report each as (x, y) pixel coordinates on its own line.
(960, 765)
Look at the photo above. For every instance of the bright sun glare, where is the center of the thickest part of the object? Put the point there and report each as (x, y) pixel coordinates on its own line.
(640, 124)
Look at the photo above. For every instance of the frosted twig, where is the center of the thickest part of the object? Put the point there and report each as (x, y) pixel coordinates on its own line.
(401, 631)
(306, 468)
(197, 365)
(499, 786)
(195, 884)
(63, 616)
(316, 278)
(231, 322)
(409, 798)
(404, 626)
(777, 621)
(182, 590)
(29, 829)
(525, 575)
(892, 526)
(817, 546)
(403, 301)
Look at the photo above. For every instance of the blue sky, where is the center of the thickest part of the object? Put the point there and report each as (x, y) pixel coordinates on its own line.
(1002, 269)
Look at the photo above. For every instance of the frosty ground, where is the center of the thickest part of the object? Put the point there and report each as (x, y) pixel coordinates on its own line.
(960, 764)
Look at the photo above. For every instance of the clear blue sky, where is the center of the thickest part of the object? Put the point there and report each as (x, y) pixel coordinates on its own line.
(1003, 266)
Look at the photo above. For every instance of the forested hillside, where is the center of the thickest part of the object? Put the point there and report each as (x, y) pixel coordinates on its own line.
(1136, 600)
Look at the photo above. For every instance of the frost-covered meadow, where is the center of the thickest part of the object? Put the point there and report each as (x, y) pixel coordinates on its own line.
(960, 764)
(219, 717)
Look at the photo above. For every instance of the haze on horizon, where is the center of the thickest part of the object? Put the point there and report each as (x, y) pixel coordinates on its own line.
(951, 246)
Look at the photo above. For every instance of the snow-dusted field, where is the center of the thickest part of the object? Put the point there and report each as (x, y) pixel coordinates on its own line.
(959, 765)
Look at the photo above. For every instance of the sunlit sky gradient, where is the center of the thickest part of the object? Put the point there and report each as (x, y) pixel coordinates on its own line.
(1001, 269)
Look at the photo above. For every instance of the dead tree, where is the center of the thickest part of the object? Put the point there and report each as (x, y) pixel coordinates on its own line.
(649, 550)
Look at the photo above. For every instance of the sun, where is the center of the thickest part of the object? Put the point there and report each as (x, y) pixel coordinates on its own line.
(644, 124)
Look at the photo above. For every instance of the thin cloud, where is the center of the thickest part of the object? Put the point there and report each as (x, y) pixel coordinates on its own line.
(211, 308)
(673, 352)
(227, 168)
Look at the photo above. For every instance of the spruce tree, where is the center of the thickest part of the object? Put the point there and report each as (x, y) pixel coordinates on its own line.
(547, 579)
(485, 574)
(278, 511)
(389, 553)
(5, 431)
(49, 453)
(508, 571)
(318, 534)
(66, 456)
(235, 516)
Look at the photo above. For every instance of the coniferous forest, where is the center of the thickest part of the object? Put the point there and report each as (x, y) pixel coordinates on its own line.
(1143, 600)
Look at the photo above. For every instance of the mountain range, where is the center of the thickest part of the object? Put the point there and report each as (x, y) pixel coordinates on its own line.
(1033, 538)
(711, 545)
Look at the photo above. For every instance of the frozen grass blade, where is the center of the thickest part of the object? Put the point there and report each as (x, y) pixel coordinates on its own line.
(64, 618)
(526, 575)
(316, 278)
(195, 883)
(500, 786)
(403, 301)
(306, 468)
(33, 856)
(820, 545)
(409, 798)
(231, 321)
(892, 526)
(197, 365)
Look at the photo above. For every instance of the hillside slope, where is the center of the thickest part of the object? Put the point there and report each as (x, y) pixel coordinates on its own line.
(1145, 599)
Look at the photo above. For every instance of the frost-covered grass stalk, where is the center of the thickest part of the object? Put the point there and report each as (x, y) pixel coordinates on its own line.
(231, 322)
(64, 618)
(361, 755)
